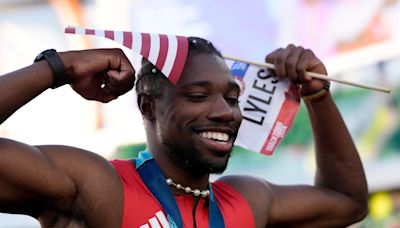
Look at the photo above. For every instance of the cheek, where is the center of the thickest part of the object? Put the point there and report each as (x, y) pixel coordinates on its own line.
(184, 114)
(238, 115)
(172, 123)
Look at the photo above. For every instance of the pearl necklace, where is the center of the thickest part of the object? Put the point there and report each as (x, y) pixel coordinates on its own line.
(195, 192)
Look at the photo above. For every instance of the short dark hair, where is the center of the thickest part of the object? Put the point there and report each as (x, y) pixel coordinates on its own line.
(151, 81)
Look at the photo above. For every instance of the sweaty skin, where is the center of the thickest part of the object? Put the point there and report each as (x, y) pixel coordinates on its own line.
(64, 186)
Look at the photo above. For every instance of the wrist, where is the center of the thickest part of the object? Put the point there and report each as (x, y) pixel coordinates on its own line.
(57, 67)
(317, 95)
(67, 58)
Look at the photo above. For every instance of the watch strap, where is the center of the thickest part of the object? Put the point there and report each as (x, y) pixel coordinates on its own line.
(56, 65)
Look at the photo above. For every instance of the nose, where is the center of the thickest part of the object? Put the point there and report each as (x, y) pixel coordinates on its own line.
(220, 109)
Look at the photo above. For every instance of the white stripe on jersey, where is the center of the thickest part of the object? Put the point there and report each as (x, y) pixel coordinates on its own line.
(154, 223)
(161, 217)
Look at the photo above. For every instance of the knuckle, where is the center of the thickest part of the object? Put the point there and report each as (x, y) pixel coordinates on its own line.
(300, 49)
(271, 56)
(291, 46)
(309, 52)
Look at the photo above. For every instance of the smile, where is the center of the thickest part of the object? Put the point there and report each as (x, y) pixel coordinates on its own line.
(217, 141)
(219, 137)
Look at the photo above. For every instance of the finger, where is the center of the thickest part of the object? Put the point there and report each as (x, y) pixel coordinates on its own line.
(309, 62)
(118, 78)
(280, 61)
(120, 75)
(109, 88)
(122, 82)
(109, 81)
(316, 65)
(291, 65)
(270, 59)
(305, 63)
(121, 63)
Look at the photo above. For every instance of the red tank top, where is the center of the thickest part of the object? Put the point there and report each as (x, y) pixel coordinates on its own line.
(141, 209)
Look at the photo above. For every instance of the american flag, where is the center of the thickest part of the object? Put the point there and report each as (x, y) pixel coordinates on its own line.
(166, 52)
(268, 108)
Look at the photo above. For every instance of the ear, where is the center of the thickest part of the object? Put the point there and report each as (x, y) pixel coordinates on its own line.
(146, 105)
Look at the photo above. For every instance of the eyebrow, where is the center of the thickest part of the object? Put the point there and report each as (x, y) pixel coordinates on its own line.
(204, 83)
(197, 83)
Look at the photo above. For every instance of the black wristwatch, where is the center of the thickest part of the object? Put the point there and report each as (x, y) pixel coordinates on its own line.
(56, 65)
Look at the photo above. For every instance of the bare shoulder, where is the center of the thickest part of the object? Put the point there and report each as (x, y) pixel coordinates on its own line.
(79, 164)
(257, 192)
(99, 193)
(59, 185)
(294, 205)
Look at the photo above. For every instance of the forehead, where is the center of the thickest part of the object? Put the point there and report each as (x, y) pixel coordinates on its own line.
(205, 67)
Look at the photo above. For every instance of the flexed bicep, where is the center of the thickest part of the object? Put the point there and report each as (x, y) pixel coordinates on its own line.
(310, 206)
(29, 179)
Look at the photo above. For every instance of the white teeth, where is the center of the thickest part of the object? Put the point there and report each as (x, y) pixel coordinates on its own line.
(215, 135)
(220, 136)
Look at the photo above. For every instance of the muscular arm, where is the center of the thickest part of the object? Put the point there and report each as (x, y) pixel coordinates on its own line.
(19, 87)
(27, 175)
(338, 164)
(86, 70)
(38, 179)
(339, 196)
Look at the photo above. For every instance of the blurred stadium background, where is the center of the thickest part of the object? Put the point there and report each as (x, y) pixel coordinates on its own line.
(359, 40)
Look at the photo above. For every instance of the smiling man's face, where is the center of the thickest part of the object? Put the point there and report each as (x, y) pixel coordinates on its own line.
(198, 118)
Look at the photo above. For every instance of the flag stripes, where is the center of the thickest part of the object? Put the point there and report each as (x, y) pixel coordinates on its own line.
(166, 52)
(181, 54)
(163, 41)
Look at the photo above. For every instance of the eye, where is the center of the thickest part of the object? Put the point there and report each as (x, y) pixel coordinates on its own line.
(197, 97)
(232, 100)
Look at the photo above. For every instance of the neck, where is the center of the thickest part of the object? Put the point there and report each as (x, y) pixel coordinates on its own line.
(176, 171)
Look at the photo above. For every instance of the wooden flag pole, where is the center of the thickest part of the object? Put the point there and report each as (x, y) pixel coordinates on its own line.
(315, 75)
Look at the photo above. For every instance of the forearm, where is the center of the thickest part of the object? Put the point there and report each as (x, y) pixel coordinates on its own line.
(19, 87)
(339, 167)
(101, 75)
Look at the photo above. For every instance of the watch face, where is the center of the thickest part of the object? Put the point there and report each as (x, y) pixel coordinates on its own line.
(43, 54)
(39, 57)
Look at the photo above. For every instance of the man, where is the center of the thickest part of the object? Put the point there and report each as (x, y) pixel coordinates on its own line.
(190, 127)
